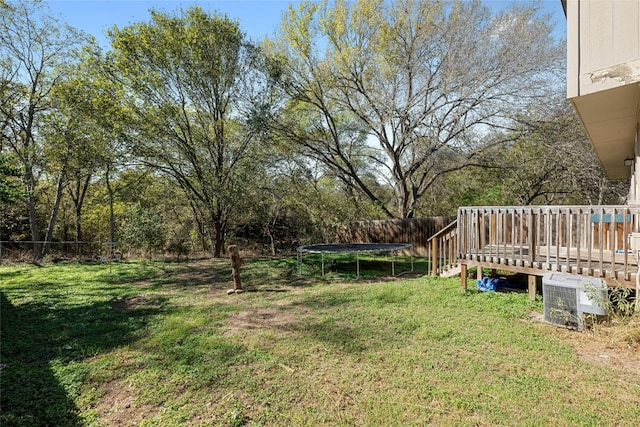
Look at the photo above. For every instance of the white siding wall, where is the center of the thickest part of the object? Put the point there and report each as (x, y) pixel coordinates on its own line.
(609, 43)
(603, 81)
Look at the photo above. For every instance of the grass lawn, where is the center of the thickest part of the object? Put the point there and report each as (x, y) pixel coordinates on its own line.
(161, 344)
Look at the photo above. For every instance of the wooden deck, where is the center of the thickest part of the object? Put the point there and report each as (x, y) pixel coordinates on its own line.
(593, 241)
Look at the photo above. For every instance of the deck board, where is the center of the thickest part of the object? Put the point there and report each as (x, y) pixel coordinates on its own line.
(554, 259)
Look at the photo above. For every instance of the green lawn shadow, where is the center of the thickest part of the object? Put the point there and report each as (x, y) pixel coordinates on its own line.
(36, 335)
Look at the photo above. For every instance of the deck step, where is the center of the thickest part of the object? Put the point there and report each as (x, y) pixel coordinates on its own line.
(452, 272)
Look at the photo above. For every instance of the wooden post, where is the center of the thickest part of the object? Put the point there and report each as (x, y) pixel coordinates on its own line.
(463, 276)
(533, 240)
(434, 257)
(234, 256)
(533, 284)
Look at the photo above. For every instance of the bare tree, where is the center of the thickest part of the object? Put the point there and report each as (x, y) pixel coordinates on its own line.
(552, 162)
(408, 89)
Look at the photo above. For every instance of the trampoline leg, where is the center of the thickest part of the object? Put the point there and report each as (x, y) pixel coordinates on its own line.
(322, 265)
(393, 265)
(357, 266)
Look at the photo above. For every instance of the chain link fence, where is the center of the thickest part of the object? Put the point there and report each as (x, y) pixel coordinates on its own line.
(18, 251)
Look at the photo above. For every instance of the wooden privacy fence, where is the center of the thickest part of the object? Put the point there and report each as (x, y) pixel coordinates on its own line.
(416, 231)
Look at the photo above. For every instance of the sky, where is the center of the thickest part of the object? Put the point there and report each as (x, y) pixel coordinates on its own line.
(257, 18)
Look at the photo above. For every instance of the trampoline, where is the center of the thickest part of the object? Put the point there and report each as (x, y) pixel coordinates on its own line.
(349, 248)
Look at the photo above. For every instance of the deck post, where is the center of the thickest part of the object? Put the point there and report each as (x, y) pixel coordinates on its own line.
(479, 273)
(434, 257)
(533, 239)
(463, 276)
(533, 284)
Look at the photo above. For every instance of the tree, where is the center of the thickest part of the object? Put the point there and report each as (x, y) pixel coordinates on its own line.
(33, 46)
(408, 90)
(299, 200)
(87, 120)
(189, 77)
(551, 161)
(143, 228)
(547, 161)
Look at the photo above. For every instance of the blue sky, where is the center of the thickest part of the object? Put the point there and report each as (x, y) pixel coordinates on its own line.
(257, 17)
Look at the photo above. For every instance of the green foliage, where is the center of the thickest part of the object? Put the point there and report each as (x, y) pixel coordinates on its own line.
(143, 228)
(34, 51)
(621, 302)
(191, 82)
(10, 185)
(357, 110)
(545, 159)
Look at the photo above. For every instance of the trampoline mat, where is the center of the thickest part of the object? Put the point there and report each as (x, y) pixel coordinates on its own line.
(332, 248)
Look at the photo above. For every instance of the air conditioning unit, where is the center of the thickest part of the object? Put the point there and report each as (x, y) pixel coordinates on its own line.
(567, 297)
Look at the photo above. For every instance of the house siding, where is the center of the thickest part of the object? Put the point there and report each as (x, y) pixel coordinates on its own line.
(604, 41)
(603, 81)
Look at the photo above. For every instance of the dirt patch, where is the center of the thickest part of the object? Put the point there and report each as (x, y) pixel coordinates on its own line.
(124, 305)
(286, 319)
(118, 406)
(599, 346)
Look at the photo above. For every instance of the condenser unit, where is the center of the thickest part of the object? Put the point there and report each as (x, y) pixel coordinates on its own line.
(567, 297)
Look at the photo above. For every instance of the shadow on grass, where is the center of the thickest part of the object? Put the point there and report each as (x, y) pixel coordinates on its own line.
(338, 337)
(37, 336)
(257, 274)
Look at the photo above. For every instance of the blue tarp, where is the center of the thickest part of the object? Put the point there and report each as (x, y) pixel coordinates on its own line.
(491, 283)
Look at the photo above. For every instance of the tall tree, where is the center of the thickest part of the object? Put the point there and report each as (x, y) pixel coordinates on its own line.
(33, 45)
(189, 76)
(89, 117)
(408, 89)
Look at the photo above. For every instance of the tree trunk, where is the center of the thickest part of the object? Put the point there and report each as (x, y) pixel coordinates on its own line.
(112, 224)
(218, 244)
(33, 217)
(78, 202)
(220, 230)
(272, 245)
(54, 213)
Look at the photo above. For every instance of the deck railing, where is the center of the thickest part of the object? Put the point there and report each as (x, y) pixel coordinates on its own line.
(443, 250)
(587, 240)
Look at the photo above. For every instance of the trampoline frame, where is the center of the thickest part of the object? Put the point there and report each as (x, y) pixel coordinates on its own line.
(349, 248)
